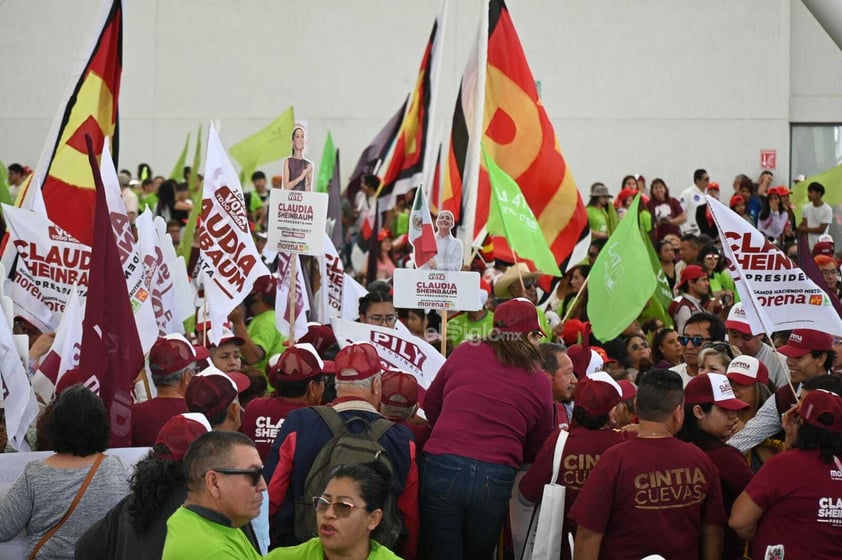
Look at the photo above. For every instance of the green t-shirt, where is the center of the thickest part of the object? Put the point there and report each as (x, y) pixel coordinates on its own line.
(401, 224)
(461, 328)
(264, 333)
(312, 550)
(189, 535)
(150, 200)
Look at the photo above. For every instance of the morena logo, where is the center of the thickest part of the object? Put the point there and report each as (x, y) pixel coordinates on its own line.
(739, 364)
(795, 338)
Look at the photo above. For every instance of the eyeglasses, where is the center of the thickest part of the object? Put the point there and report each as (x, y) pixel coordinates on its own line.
(529, 284)
(830, 273)
(635, 347)
(382, 319)
(720, 347)
(712, 256)
(341, 509)
(696, 340)
(255, 474)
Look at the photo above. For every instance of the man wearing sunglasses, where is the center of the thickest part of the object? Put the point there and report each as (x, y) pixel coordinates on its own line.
(224, 493)
(701, 328)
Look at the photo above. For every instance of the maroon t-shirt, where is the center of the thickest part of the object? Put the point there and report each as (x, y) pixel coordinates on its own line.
(262, 420)
(581, 453)
(802, 500)
(483, 410)
(734, 475)
(150, 416)
(651, 496)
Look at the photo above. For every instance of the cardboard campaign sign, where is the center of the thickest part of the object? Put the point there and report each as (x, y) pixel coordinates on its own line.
(397, 349)
(50, 262)
(297, 221)
(771, 286)
(437, 289)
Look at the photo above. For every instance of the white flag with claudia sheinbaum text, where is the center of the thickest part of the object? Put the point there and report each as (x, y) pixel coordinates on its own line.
(772, 286)
(228, 258)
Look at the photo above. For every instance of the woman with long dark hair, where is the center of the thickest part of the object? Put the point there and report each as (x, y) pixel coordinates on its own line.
(710, 417)
(347, 513)
(793, 505)
(666, 349)
(137, 526)
(490, 407)
(298, 171)
(773, 219)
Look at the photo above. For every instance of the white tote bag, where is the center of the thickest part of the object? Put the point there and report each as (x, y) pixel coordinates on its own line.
(545, 535)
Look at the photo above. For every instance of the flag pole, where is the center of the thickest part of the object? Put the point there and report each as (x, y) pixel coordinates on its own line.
(444, 332)
(205, 326)
(293, 296)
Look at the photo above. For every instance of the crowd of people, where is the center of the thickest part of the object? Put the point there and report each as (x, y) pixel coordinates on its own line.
(691, 435)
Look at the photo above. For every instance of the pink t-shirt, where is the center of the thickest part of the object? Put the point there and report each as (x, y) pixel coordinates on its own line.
(262, 420)
(802, 500)
(651, 496)
(483, 410)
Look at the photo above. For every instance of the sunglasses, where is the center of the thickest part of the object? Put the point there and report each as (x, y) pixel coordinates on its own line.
(341, 509)
(720, 347)
(637, 346)
(529, 284)
(696, 340)
(255, 474)
(383, 319)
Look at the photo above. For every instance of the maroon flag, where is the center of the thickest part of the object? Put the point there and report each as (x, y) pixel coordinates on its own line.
(373, 155)
(111, 351)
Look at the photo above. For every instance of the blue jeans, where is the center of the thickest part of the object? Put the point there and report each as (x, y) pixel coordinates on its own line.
(463, 506)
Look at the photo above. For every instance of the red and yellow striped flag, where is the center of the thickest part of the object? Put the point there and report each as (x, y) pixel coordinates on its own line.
(63, 176)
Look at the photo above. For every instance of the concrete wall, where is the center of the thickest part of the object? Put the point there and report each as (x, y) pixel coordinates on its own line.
(657, 87)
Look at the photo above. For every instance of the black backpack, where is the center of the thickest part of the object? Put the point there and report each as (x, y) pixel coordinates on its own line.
(347, 448)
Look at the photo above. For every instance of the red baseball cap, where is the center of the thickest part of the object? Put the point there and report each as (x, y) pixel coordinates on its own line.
(713, 186)
(823, 248)
(297, 363)
(211, 391)
(747, 370)
(598, 394)
(177, 435)
(738, 320)
(320, 336)
(691, 272)
(822, 409)
(358, 360)
(517, 315)
(400, 389)
(737, 199)
(172, 353)
(572, 331)
(629, 389)
(713, 388)
(802, 341)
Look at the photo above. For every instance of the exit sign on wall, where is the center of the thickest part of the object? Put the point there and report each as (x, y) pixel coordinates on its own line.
(768, 159)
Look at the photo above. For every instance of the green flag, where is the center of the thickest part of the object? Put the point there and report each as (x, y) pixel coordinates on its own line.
(270, 144)
(5, 195)
(186, 243)
(177, 173)
(621, 280)
(326, 165)
(656, 307)
(511, 217)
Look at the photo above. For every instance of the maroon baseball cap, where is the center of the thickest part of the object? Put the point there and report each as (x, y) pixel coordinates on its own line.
(823, 248)
(172, 353)
(598, 394)
(691, 272)
(400, 389)
(320, 336)
(358, 360)
(747, 370)
(177, 435)
(822, 409)
(802, 341)
(629, 389)
(297, 363)
(211, 391)
(713, 388)
(517, 315)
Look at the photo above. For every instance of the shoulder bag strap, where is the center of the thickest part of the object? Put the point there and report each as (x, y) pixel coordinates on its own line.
(81, 492)
(559, 451)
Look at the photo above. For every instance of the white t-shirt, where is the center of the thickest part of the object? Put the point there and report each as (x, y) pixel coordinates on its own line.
(691, 198)
(816, 215)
